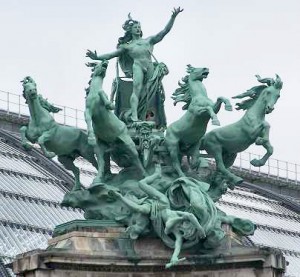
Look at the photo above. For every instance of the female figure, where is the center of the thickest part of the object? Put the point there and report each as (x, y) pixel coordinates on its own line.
(134, 54)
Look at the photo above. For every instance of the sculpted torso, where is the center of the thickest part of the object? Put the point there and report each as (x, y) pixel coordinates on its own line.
(140, 51)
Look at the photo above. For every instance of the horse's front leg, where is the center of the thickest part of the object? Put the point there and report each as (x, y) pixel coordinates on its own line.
(213, 116)
(172, 144)
(99, 150)
(24, 140)
(218, 103)
(196, 161)
(89, 123)
(265, 142)
(46, 136)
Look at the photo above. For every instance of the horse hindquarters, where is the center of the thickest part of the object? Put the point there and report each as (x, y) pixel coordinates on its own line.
(213, 147)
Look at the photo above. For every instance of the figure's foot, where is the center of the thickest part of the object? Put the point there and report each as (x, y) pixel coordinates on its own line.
(216, 122)
(174, 261)
(134, 118)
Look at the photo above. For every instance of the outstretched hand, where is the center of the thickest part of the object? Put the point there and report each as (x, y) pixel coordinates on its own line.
(91, 54)
(176, 11)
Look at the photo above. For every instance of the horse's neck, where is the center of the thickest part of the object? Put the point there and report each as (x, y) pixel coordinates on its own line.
(256, 113)
(196, 88)
(96, 84)
(37, 112)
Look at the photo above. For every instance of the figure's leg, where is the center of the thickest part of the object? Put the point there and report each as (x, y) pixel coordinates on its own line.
(138, 78)
(265, 142)
(46, 136)
(68, 163)
(25, 141)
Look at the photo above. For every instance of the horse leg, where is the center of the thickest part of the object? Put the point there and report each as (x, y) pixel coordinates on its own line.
(265, 142)
(99, 150)
(68, 163)
(172, 144)
(24, 140)
(46, 136)
(129, 144)
(228, 160)
(196, 161)
(213, 116)
(88, 120)
(218, 103)
(216, 151)
(107, 171)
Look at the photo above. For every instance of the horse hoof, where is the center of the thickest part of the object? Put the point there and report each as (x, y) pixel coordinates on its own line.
(256, 162)
(228, 107)
(238, 180)
(95, 186)
(215, 122)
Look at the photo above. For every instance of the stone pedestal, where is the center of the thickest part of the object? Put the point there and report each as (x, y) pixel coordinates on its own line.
(106, 251)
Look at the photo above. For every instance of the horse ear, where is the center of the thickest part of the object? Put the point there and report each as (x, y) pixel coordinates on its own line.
(278, 83)
(190, 68)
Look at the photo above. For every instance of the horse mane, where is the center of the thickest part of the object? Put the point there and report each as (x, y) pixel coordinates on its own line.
(183, 94)
(253, 94)
(48, 106)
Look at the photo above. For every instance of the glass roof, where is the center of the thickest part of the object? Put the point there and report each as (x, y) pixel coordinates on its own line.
(4, 147)
(19, 165)
(293, 268)
(15, 240)
(261, 217)
(34, 213)
(256, 202)
(276, 239)
(29, 186)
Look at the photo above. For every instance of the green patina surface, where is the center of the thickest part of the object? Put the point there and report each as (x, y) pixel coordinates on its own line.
(154, 193)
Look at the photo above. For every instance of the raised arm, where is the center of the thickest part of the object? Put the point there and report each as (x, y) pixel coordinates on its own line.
(158, 37)
(108, 56)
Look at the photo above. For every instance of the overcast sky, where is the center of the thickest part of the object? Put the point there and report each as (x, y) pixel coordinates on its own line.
(235, 39)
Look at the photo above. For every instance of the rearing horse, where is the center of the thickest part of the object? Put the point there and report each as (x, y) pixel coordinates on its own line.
(64, 141)
(224, 143)
(106, 132)
(183, 136)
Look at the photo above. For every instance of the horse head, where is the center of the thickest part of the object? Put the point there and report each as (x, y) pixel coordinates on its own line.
(29, 88)
(271, 93)
(268, 94)
(98, 69)
(197, 73)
